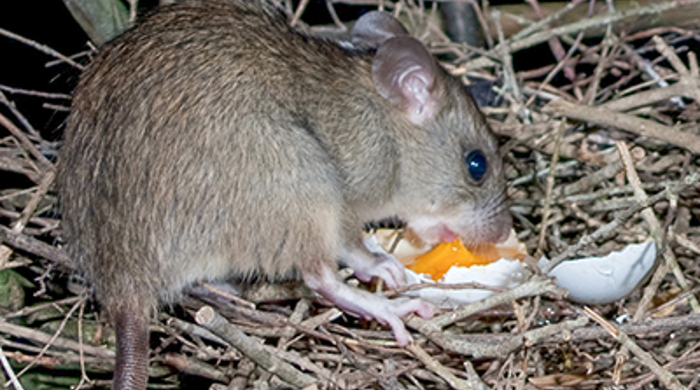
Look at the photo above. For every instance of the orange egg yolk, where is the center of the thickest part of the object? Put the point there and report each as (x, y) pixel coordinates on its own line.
(439, 260)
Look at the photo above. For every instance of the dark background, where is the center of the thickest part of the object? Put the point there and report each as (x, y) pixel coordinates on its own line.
(48, 22)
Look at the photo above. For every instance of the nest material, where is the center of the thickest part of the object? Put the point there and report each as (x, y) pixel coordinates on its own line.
(601, 143)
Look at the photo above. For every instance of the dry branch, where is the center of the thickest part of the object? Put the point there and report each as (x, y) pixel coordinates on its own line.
(573, 194)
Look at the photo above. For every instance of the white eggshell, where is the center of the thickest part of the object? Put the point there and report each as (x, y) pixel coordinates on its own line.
(599, 280)
(502, 273)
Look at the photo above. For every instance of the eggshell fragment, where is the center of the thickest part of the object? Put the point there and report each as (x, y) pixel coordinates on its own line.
(502, 274)
(600, 280)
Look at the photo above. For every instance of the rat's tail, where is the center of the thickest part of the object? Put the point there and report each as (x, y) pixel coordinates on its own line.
(131, 370)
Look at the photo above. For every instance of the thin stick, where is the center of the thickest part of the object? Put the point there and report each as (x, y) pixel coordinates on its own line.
(30, 208)
(299, 11)
(211, 320)
(14, 381)
(25, 142)
(546, 210)
(599, 21)
(629, 123)
(54, 337)
(656, 232)
(42, 48)
(83, 373)
(435, 366)
(609, 228)
(667, 379)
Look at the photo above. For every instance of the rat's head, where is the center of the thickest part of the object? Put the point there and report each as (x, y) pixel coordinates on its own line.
(452, 174)
(451, 182)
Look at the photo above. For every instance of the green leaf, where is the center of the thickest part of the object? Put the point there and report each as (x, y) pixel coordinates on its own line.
(102, 20)
(12, 287)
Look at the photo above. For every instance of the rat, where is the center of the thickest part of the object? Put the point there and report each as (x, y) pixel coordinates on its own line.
(212, 140)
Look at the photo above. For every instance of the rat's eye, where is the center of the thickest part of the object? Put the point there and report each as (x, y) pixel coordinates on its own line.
(476, 164)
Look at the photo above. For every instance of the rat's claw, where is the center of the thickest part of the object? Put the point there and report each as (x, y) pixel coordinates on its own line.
(399, 308)
(417, 306)
(401, 334)
(385, 267)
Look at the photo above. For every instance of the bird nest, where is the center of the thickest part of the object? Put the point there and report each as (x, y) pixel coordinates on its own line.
(598, 116)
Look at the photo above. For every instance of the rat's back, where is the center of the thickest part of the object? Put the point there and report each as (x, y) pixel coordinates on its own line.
(179, 164)
(176, 152)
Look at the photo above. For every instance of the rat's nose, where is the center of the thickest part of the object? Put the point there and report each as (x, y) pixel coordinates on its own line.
(502, 226)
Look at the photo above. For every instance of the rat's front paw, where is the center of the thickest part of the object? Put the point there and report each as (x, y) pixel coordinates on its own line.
(386, 267)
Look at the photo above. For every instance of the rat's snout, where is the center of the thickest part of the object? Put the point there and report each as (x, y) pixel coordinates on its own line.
(497, 222)
(478, 228)
(502, 225)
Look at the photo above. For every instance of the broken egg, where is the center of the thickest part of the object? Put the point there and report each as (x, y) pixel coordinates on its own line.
(447, 255)
(452, 263)
(605, 279)
(594, 280)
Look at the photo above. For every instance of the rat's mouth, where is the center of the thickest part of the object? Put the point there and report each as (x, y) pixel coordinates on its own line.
(435, 233)
(432, 233)
(473, 231)
(447, 235)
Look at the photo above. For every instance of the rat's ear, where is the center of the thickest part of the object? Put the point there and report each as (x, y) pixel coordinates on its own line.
(406, 74)
(374, 28)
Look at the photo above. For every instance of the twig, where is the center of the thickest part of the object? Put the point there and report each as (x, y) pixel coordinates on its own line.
(58, 342)
(656, 232)
(610, 227)
(55, 336)
(234, 298)
(36, 308)
(83, 373)
(14, 381)
(20, 117)
(300, 311)
(194, 367)
(561, 64)
(211, 320)
(481, 346)
(599, 21)
(501, 49)
(649, 217)
(546, 210)
(629, 123)
(667, 379)
(299, 11)
(34, 246)
(26, 143)
(546, 21)
(28, 92)
(537, 285)
(590, 96)
(42, 189)
(42, 48)
(444, 373)
(190, 328)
